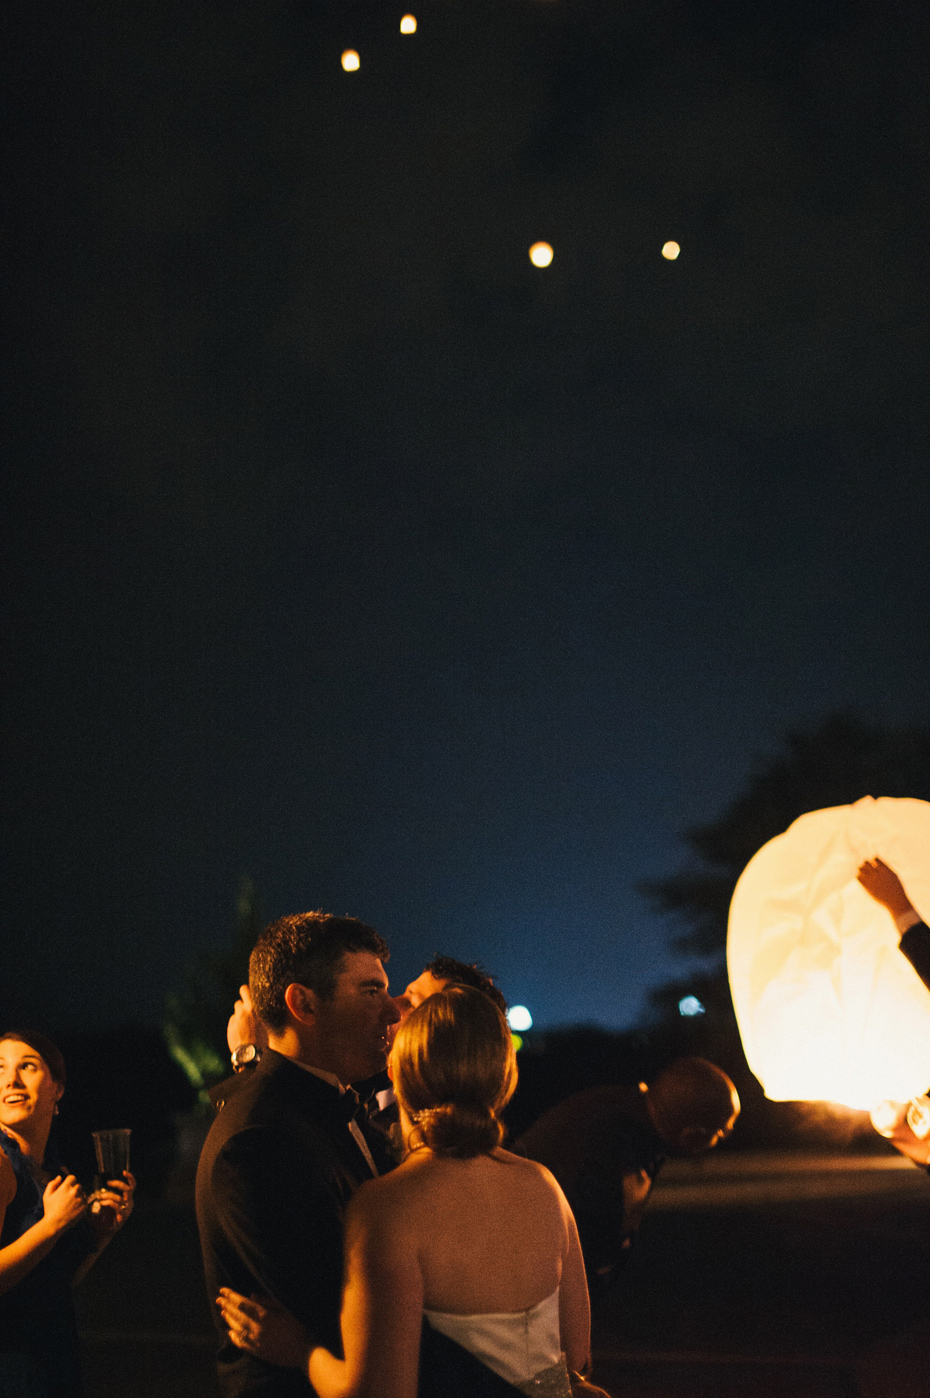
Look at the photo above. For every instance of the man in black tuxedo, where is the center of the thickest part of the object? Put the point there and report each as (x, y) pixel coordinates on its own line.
(285, 1153)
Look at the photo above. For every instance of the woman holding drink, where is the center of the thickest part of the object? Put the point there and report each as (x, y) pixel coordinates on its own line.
(463, 1270)
(49, 1236)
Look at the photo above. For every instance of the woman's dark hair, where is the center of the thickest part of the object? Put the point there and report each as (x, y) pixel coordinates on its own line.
(455, 1070)
(43, 1046)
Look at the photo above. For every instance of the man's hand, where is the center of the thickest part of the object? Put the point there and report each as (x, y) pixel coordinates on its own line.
(884, 886)
(244, 1026)
(268, 1331)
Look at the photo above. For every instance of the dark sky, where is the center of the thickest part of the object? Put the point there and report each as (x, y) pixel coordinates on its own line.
(348, 550)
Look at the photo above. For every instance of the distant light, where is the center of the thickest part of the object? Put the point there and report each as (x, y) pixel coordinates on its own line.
(517, 1042)
(690, 1006)
(351, 61)
(541, 254)
(670, 251)
(408, 25)
(519, 1017)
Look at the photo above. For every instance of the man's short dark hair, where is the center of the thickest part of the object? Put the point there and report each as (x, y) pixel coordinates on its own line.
(446, 968)
(306, 948)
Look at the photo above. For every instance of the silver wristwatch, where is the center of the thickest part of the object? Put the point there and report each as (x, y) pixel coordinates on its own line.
(243, 1055)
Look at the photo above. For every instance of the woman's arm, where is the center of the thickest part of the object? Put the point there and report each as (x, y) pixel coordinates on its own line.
(382, 1313)
(574, 1303)
(109, 1210)
(382, 1307)
(63, 1202)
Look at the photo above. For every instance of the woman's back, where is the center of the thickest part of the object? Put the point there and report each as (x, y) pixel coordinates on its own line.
(487, 1249)
(480, 1241)
(490, 1232)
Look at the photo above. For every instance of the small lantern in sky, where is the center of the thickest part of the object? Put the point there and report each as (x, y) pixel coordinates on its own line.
(670, 251)
(541, 254)
(351, 61)
(408, 24)
(828, 1007)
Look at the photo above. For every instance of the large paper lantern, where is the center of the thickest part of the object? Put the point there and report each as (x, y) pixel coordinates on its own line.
(828, 1007)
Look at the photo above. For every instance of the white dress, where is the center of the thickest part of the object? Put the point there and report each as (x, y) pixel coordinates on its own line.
(523, 1347)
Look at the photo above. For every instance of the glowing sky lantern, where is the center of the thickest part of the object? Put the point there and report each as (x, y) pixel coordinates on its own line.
(351, 61)
(670, 251)
(541, 254)
(408, 25)
(828, 1007)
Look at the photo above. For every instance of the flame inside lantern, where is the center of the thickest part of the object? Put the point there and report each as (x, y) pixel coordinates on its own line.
(828, 1007)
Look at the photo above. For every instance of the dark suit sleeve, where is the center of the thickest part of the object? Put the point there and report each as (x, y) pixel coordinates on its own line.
(916, 947)
(283, 1221)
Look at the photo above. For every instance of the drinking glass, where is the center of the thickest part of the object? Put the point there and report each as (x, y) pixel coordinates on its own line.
(112, 1151)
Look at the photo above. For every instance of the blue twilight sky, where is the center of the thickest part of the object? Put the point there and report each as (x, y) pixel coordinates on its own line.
(349, 551)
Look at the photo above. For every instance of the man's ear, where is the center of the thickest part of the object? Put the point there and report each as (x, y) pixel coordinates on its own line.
(301, 1001)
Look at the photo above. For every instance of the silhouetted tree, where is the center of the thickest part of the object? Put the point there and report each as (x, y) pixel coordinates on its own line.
(833, 764)
(195, 1023)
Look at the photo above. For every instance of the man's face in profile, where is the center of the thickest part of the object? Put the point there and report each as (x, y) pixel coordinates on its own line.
(422, 988)
(355, 1024)
(425, 985)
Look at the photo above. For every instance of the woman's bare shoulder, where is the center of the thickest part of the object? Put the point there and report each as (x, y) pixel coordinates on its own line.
(385, 1195)
(531, 1168)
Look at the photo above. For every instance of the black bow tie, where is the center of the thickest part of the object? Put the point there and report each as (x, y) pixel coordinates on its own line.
(349, 1105)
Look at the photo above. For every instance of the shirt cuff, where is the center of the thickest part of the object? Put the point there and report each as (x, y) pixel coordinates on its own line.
(904, 921)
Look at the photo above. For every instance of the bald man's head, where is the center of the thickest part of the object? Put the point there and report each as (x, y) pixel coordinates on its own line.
(693, 1105)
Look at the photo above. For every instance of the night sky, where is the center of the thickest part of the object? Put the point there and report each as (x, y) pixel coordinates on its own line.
(347, 550)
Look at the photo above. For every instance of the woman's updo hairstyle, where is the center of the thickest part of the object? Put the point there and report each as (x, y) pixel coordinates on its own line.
(454, 1071)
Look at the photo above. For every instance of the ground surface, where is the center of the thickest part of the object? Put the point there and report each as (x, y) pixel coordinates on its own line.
(756, 1275)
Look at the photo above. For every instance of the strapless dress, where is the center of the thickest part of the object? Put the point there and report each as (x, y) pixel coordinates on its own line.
(523, 1347)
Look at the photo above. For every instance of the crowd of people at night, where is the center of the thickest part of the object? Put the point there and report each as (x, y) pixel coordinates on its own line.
(364, 1230)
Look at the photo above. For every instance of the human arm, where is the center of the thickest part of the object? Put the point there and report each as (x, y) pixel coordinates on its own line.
(575, 1310)
(63, 1203)
(574, 1303)
(381, 1319)
(886, 888)
(109, 1210)
(244, 1026)
(382, 1306)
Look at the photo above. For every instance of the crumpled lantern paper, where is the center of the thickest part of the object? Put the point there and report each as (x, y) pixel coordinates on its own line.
(829, 1009)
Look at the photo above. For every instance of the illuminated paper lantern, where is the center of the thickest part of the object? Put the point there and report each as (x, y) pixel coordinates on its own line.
(828, 1007)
